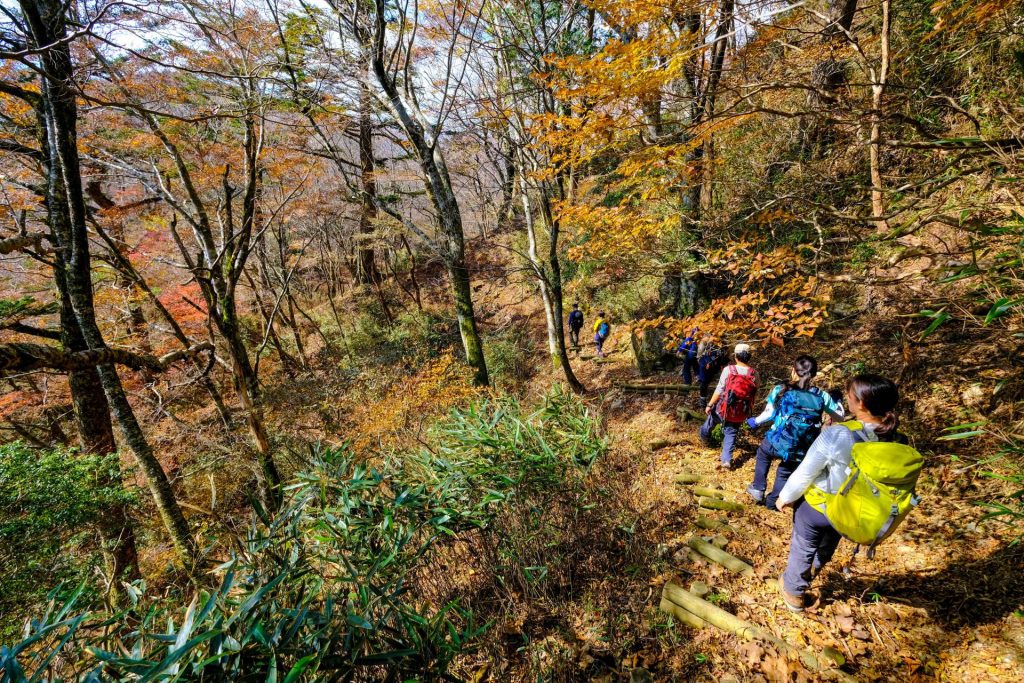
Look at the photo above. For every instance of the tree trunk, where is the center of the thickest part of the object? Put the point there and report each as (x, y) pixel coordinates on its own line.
(247, 386)
(66, 211)
(96, 436)
(424, 141)
(827, 76)
(555, 286)
(366, 263)
(539, 271)
(875, 151)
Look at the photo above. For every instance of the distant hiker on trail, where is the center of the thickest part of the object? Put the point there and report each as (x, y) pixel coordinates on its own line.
(732, 403)
(575, 325)
(857, 481)
(601, 331)
(710, 360)
(795, 409)
(688, 349)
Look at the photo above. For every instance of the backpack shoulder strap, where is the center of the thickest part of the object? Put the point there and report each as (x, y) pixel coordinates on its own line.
(857, 428)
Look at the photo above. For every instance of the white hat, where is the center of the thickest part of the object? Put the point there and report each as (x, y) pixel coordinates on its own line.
(742, 348)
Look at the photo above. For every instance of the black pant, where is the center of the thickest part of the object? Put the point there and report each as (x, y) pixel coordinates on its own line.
(690, 368)
(763, 463)
(574, 335)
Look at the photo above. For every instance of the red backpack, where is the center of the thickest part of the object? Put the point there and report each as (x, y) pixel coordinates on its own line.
(737, 401)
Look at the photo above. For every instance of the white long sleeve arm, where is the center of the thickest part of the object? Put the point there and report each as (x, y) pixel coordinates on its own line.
(816, 460)
(769, 407)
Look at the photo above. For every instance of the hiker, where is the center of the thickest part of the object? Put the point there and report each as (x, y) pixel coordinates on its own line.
(795, 410)
(856, 481)
(688, 349)
(709, 361)
(575, 325)
(731, 403)
(601, 331)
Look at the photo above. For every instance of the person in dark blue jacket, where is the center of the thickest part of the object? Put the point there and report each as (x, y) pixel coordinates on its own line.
(688, 350)
(575, 325)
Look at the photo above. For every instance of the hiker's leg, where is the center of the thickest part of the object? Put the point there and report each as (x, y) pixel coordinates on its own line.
(827, 547)
(687, 370)
(782, 472)
(709, 424)
(729, 432)
(705, 384)
(762, 464)
(803, 546)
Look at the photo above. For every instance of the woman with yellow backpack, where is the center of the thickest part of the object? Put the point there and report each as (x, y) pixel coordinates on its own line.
(856, 482)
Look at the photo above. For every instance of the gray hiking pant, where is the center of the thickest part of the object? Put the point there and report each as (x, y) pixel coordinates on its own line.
(813, 543)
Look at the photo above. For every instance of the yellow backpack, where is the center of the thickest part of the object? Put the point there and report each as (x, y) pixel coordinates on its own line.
(879, 492)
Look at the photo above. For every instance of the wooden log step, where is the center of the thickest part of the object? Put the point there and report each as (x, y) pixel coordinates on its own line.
(685, 413)
(712, 524)
(687, 478)
(716, 554)
(710, 493)
(719, 504)
(685, 616)
(718, 617)
(655, 388)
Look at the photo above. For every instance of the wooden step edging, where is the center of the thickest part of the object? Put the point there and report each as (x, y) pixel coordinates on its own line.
(719, 504)
(710, 493)
(719, 556)
(675, 599)
(684, 413)
(683, 615)
(655, 388)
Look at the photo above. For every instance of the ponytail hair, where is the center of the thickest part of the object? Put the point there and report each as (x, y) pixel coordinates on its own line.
(879, 396)
(806, 369)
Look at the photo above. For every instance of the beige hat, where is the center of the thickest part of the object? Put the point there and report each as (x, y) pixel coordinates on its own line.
(742, 348)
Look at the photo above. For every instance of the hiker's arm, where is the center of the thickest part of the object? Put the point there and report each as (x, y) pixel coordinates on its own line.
(719, 388)
(807, 472)
(769, 408)
(833, 408)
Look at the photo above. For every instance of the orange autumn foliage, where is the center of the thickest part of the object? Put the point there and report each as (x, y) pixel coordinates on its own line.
(406, 405)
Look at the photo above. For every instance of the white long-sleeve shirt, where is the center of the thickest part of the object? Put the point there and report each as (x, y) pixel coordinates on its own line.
(827, 463)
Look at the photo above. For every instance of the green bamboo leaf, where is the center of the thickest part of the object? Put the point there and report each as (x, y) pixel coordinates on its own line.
(961, 435)
(299, 668)
(938, 318)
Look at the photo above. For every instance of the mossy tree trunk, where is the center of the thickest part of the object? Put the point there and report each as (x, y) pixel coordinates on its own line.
(66, 213)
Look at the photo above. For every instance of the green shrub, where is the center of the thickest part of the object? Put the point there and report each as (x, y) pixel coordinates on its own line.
(321, 586)
(330, 586)
(521, 476)
(509, 356)
(413, 337)
(49, 501)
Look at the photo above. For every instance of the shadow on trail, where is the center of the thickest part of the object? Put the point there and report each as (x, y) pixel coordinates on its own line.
(963, 593)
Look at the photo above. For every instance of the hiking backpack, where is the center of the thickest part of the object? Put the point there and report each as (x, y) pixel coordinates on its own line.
(801, 423)
(878, 494)
(737, 399)
(710, 360)
(603, 329)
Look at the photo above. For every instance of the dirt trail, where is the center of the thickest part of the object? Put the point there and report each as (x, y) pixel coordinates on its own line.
(941, 600)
